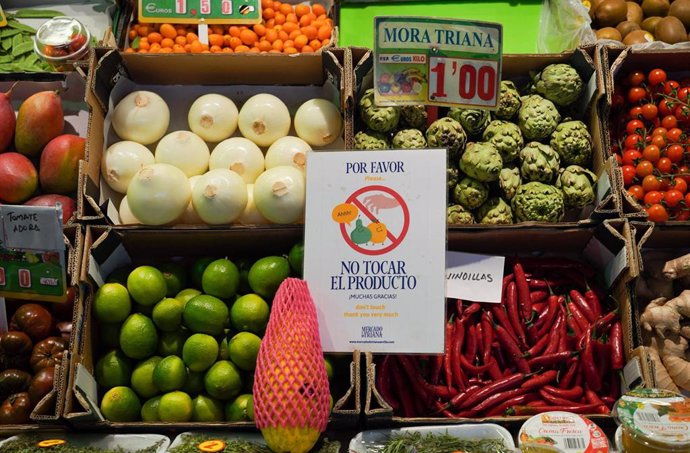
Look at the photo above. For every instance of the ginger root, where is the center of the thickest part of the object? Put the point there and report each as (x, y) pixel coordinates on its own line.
(677, 268)
(681, 303)
(660, 317)
(661, 376)
(672, 354)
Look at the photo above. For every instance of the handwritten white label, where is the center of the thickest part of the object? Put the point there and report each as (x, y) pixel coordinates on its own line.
(32, 227)
(472, 277)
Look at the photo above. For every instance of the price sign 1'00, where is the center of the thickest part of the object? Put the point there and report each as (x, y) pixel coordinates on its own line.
(463, 81)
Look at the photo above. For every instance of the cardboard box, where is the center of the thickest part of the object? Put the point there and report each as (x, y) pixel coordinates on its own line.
(608, 247)
(295, 79)
(518, 69)
(107, 249)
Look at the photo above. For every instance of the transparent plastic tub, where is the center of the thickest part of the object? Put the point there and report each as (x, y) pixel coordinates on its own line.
(62, 40)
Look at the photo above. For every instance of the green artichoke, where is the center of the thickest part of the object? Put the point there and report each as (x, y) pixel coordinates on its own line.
(577, 185)
(506, 137)
(572, 142)
(559, 83)
(539, 162)
(447, 133)
(452, 176)
(537, 117)
(481, 161)
(538, 202)
(508, 101)
(409, 139)
(470, 193)
(378, 119)
(371, 140)
(473, 121)
(495, 211)
(414, 116)
(509, 180)
(457, 215)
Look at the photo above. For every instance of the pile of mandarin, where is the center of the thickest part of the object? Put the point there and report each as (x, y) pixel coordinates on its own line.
(285, 28)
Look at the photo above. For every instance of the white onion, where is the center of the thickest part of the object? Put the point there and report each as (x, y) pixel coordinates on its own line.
(189, 216)
(288, 151)
(240, 155)
(158, 194)
(121, 161)
(263, 119)
(318, 122)
(251, 215)
(185, 150)
(219, 196)
(126, 216)
(141, 116)
(279, 194)
(213, 117)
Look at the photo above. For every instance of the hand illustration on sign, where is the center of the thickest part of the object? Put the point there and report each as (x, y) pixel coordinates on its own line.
(377, 202)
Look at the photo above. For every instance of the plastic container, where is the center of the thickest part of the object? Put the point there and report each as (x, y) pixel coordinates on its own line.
(125, 442)
(653, 421)
(561, 432)
(62, 40)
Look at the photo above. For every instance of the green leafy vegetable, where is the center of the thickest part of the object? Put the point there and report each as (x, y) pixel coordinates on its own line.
(22, 48)
(33, 13)
(16, 45)
(409, 442)
(28, 444)
(19, 26)
(190, 443)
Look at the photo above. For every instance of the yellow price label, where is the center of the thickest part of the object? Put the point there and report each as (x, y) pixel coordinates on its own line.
(211, 446)
(48, 443)
(3, 18)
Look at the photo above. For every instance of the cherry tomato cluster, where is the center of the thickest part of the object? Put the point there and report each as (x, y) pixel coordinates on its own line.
(650, 137)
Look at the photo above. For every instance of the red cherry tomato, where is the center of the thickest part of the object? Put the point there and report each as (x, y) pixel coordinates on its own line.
(650, 111)
(656, 76)
(617, 101)
(636, 94)
(651, 153)
(651, 183)
(631, 157)
(675, 153)
(629, 174)
(637, 192)
(636, 112)
(657, 213)
(636, 78)
(674, 135)
(653, 197)
(659, 131)
(664, 165)
(644, 168)
(659, 140)
(634, 141)
(680, 185)
(682, 112)
(619, 159)
(671, 87)
(682, 215)
(684, 173)
(665, 108)
(683, 93)
(634, 127)
(669, 122)
(672, 198)
(687, 199)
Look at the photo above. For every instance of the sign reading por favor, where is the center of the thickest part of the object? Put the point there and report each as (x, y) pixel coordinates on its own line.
(433, 61)
(193, 11)
(374, 258)
(32, 253)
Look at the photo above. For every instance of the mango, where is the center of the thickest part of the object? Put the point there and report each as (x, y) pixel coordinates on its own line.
(18, 178)
(40, 119)
(7, 120)
(59, 168)
(67, 204)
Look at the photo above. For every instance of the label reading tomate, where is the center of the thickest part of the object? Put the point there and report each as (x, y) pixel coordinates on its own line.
(563, 432)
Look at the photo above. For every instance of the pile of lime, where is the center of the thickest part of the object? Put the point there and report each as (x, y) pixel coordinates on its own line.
(180, 342)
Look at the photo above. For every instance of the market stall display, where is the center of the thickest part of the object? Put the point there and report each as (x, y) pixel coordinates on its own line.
(86, 443)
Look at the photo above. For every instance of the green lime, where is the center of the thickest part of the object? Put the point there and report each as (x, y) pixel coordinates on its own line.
(142, 377)
(111, 303)
(113, 370)
(170, 374)
(329, 368)
(146, 285)
(244, 264)
(149, 411)
(198, 269)
(296, 258)
(223, 380)
(238, 409)
(267, 274)
(175, 276)
(200, 351)
(206, 314)
(175, 407)
(206, 409)
(244, 349)
(221, 279)
(109, 334)
(167, 314)
(170, 343)
(223, 348)
(119, 275)
(195, 383)
(121, 404)
(186, 294)
(138, 337)
(250, 313)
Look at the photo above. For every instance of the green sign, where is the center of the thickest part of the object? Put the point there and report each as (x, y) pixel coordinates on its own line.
(194, 11)
(446, 62)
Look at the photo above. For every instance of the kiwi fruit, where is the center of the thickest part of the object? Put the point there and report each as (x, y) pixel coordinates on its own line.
(670, 30)
(609, 33)
(655, 7)
(626, 27)
(638, 37)
(649, 24)
(610, 13)
(635, 13)
(681, 10)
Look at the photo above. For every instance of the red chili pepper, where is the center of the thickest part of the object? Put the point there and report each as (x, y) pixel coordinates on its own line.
(494, 370)
(480, 340)
(581, 304)
(512, 349)
(551, 359)
(616, 342)
(501, 316)
(540, 380)
(593, 301)
(402, 390)
(569, 375)
(458, 377)
(614, 386)
(608, 400)
(507, 279)
(513, 313)
(442, 410)
(551, 313)
(557, 400)
(515, 401)
(498, 398)
(438, 367)
(488, 338)
(471, 343)
(563, 337)
(570, 394)
(603, 323)
(537, 403)
(593, 398)
(578, 316)
(412, 371)
(498, 354)
(470, 311)
(457, 399)
(602, 357)
(383, 383)
(538, 296)
(507, 383)
(523, 292)
(589, 368)
(474, 369)
(539, 307)
(440, 391)
(577, 409)
(545, 284)
(554, 335)
(448, 353)
(538, 347)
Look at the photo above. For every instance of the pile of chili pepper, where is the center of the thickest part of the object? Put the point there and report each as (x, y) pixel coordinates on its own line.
(549, 345)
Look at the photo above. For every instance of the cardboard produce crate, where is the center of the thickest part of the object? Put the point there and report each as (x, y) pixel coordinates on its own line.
(181, 78)
(518, 69)
(107, 249)
(608, 247)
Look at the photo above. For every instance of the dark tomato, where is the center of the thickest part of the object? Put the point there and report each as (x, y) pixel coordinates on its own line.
(651, 153)
(637, 192)
(650, 111)
(669, 122)
(636, 112)
(680, 185)
(664, 165)
(656, 76)
(636, 94)
(631, 157)
(15, 409)
(671, 87)
(41, 384)
(657, 213)
(672, 198)
(659, 140)
(651, 183)
(684, 172)
(683, 93)
(644, 168)
(634, 127)
(659, 131)
(619, 159)
(682, 112)
(653, 197)
(664, 108)
(629, 173)
(47, 353)
(636, 78)
(634, 141)
(34, 320)
(13, 381)
(674, 135)
(617, 101)
(675, 153)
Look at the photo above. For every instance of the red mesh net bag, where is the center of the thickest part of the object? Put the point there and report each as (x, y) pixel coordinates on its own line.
(291, 394)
